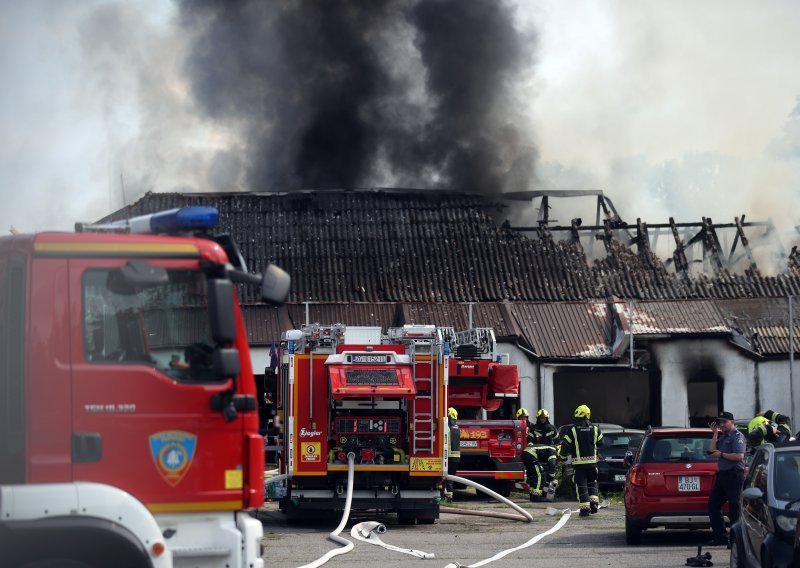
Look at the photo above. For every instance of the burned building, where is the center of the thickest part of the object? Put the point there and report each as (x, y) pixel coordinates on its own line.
(647, 324)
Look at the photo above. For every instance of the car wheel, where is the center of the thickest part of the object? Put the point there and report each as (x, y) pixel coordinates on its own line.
(633, 532)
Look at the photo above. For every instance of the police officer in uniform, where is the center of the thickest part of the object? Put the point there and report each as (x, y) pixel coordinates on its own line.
(454, 457)
(543, 427)
(540, 468)
(728, 447)
(581, 441)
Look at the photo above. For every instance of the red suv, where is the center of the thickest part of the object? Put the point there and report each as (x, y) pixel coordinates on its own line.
(669, 481)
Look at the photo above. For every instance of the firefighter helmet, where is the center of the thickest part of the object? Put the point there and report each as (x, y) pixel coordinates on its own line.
(757, 423)
(543, 412)
(452, 413)
(583, 411)
(522, 413)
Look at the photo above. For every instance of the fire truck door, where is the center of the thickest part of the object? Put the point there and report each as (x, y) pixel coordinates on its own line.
(141, 390)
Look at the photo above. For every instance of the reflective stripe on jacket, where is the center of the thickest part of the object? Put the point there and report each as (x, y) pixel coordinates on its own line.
(581, 441)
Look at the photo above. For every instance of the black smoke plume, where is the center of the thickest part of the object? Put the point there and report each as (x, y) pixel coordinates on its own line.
(342, 94)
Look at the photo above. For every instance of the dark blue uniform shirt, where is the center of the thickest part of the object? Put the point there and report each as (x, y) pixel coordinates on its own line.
(731, 443)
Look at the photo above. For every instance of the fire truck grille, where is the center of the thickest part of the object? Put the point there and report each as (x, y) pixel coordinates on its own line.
(383, 377)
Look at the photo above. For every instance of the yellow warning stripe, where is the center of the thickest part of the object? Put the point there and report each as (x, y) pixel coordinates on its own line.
(195, 506)
(106, 248)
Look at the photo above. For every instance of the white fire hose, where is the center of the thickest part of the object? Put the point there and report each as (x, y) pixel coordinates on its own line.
(347, 545)
(368, 531)
(525, 515)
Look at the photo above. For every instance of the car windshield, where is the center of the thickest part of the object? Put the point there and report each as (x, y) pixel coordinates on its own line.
(787, 475)
(620, 440)
(665, 449)
(165, 326)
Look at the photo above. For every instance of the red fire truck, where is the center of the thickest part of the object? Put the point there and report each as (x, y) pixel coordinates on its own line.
(479, 387)
(380, 397)
(128, 421)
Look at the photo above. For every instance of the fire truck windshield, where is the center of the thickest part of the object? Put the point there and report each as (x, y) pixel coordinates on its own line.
(165, 326)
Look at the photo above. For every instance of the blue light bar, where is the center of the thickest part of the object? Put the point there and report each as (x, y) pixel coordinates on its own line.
(195, 218)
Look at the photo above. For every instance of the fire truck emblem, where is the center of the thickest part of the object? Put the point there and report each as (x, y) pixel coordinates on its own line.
(173, 452)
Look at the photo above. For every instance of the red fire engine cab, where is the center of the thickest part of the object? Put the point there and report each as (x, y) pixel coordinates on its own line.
(480, 387)
(380, 397)
(128, 423)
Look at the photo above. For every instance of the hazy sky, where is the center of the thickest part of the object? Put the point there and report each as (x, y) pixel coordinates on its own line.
(678, 108)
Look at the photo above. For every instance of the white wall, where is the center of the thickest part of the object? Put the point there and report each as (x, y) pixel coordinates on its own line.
(528, 377)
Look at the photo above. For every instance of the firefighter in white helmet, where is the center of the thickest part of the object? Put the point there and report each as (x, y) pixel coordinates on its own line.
(581, 441)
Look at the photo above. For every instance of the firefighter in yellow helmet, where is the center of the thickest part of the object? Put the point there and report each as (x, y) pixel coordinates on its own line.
(761, 431)
(580, 442)
(543, 427)
(783, 424)
(454, 457)
(540, 468)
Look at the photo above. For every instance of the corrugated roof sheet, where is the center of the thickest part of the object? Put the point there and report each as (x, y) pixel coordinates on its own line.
(436, 246)
(355, 314)
(457, 316)
(773, 339)
(565, 329)
(676, 318)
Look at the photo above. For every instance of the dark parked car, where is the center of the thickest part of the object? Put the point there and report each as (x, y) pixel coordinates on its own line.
(669, 482)
(765, 534)
(615, 444)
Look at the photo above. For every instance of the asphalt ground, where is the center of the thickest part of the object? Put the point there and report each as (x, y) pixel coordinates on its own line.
(598, 540)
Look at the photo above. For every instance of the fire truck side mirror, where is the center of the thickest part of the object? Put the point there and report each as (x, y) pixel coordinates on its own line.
(275, 284)
(221, 310)
(136, 275)
(226, 362)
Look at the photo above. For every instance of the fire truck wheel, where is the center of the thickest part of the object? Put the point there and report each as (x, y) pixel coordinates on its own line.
(406, 517)
(502, 488)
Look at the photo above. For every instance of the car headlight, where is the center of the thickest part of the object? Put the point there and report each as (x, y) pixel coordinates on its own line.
(786, 523)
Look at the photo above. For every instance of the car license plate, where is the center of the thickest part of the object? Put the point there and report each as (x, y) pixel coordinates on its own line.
(469, 443)
(688, 483)
(619, 478)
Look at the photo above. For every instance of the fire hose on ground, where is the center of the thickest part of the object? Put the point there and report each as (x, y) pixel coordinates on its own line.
(368, 531)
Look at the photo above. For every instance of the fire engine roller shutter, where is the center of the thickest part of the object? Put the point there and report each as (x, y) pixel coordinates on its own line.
(348, 381)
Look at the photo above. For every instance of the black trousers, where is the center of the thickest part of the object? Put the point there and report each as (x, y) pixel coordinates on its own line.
(727, 487)
(586, 484)
(534, 472)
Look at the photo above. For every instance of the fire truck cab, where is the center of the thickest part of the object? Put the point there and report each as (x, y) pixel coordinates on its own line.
(381, 398)
(128, 422)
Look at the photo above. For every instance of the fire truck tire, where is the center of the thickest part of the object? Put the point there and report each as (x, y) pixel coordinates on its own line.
(406, 517)
(502, 488)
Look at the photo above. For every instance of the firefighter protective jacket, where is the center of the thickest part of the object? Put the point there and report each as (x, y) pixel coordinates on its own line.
(581, 441)
(546, 430)
(455, 439)
(546, 457)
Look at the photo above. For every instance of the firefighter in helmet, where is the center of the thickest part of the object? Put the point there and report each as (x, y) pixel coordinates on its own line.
(580, 442)
(762, 431)
(454, 457)
(540, 468)
(522, 414)
(782, 422)
(543, 427)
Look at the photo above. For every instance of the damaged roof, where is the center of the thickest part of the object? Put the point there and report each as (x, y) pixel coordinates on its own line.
(389, 257)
